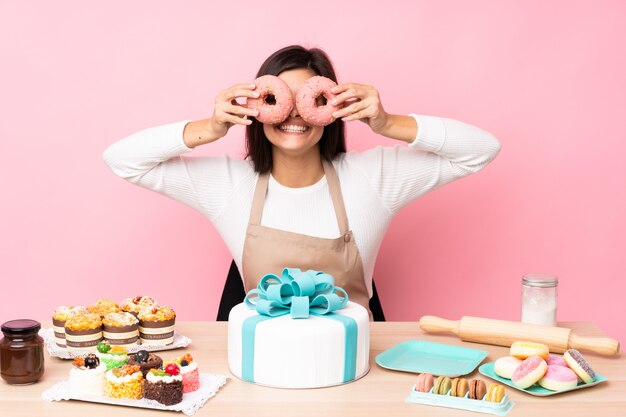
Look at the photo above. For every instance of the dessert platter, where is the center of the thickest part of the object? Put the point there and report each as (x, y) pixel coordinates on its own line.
(138, 323)
(139, 380)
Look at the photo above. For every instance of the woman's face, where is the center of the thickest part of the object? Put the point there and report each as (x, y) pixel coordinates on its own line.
(294, 136)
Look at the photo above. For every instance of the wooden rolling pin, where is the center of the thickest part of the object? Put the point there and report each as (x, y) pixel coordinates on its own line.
(504, 333)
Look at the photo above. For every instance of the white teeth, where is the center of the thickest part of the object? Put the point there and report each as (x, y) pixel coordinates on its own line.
(293, 128)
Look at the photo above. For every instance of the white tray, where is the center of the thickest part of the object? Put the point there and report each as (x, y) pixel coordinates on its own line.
(64, 353)
(192, 401)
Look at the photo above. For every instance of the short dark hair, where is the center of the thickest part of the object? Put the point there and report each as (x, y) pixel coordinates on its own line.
(333, 141)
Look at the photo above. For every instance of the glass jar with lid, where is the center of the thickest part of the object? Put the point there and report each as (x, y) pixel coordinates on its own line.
(539, 299)
(21, 352)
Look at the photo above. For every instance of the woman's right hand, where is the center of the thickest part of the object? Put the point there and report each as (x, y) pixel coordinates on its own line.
(226, 113)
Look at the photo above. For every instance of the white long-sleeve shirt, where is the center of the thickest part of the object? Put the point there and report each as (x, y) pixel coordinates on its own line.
(375, 184)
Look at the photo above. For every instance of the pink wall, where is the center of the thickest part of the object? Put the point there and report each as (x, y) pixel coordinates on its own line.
(547, 78)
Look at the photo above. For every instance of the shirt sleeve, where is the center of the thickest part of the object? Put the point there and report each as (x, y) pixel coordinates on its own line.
(444, 150)
(155, 159)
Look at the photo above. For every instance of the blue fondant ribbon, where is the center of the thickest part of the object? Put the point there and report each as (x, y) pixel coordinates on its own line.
(300, 294)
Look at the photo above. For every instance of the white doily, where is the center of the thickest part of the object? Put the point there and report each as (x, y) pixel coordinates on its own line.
(63, 353)
(192, 401)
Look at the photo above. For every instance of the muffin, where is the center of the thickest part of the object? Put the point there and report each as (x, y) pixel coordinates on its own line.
(156, 325)
(60, 316)
(104, 307)
(146, 361)
(124, 382)
(83, 331)
(120, 329)
(135, 305)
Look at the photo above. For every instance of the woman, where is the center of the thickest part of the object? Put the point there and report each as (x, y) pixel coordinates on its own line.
(299, 200)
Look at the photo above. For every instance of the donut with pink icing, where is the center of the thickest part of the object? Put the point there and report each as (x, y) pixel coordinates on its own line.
(275, 101)
(306, 101)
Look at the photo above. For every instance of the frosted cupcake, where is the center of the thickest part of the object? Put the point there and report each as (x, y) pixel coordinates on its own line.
(135, 305)
(112, 356)
(146, 361)
(166, 387)
(60, 316)
(189, 371)
(87, 376)
(104, 307)
(120, 329)
(124, 382)
(83, 331)
(156, 326)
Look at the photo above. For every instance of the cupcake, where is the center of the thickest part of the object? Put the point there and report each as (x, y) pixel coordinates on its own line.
(83, 331)
(104, 307)
(135, 305)
(156, 326)
(189, 372)
(124, 382)
(112, 356)
(166, 387)
(146, 361)
(60, 316)
(87, 376)
(120, 329)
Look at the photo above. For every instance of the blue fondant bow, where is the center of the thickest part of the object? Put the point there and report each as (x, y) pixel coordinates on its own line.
(296, 292)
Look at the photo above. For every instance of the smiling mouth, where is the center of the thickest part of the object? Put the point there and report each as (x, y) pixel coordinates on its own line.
(292, 128)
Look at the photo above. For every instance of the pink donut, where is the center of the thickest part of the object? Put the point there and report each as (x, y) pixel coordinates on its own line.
(275, 101)
(559, 378)
(529, 371)
(306, 101)
(556, 360)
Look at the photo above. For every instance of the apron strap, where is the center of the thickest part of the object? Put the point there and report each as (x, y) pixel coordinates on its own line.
(258, 200)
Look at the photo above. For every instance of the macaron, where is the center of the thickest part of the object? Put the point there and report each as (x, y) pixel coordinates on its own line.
(495, 393)
(556, 360)
(505, 366)
(477, 389)
(459, 387)
(442, 385)
(559, 378)
(424, 382)
(523, 350)
(529, 371)
(579, 365)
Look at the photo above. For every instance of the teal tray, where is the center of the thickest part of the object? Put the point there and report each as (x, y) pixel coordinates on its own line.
(464, 403)
(421, 356)
(488, 370)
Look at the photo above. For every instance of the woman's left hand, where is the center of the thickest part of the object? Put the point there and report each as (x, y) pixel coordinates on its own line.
(362, 102)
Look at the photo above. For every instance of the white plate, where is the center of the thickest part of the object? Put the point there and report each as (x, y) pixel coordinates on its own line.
(64, 353)
(192, 401)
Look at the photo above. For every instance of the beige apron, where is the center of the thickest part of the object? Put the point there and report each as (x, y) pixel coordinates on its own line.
(267, 250)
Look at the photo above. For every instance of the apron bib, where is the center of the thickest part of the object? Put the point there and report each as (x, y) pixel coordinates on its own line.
(267, 250)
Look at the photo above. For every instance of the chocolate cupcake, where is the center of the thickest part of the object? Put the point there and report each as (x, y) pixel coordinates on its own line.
(146, 361)
(135, 305)
(163, 387)
(120, 329)
(83, 331)
(156, 326)
(60, 316)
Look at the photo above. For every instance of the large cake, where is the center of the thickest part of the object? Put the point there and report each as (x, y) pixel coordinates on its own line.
(285, 335)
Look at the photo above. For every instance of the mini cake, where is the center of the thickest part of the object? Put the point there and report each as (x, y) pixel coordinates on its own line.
(189, 371)
(120, 329)
(146, 361)
(83, 331)
(166, 387)
(104, 307)
(112, 357)
(60, 316)
(135, 305)
(124, 382)
(156, 326)
(87, 376)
